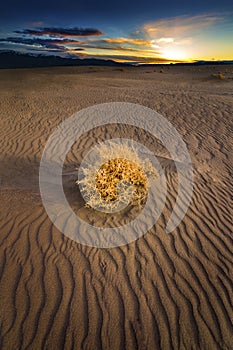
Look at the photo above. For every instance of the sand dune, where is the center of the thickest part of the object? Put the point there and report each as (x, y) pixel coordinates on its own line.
(163, 291)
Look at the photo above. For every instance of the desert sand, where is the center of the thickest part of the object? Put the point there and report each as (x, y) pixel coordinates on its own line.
(163, 291)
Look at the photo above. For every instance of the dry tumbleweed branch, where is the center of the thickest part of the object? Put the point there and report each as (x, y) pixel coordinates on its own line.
(118, 175)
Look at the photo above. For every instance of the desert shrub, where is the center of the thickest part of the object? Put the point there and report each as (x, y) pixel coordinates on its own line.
(105, 182)
(120, 169)
(219, 76)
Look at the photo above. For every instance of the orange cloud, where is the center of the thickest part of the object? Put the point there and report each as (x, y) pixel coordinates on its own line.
(179, 26)
(136, 41)
(131, 58)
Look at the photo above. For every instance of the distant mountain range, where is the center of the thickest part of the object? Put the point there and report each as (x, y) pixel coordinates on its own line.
(12, 59)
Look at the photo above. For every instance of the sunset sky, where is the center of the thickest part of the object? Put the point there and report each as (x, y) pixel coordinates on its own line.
(125, 31)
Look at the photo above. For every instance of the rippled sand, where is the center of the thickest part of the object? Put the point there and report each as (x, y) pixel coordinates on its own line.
(163, 291)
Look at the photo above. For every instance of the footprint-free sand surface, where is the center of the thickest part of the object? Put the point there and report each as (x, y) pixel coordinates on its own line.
(162, 291)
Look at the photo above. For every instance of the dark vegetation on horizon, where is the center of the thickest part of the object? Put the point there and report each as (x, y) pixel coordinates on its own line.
(12, 59)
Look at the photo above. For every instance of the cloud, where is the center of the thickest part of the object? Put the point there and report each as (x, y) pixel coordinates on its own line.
(50, 44)
(35, 24)
(76, 49)
(126, 46)
(165, 40)
(34, 41)
(103, 46)
(62, 32)
(131, 41)
(137, 59)
(68, 45)
(176, 37)
(179, 26)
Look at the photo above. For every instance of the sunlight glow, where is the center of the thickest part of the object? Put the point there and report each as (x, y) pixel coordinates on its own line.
(174, 53)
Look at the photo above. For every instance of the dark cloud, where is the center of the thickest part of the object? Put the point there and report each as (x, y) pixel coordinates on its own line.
(33, 41)
(62, 32)
(50, 44)
(77, 49)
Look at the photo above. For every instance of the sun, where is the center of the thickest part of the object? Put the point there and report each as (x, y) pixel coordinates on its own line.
(174, 54)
